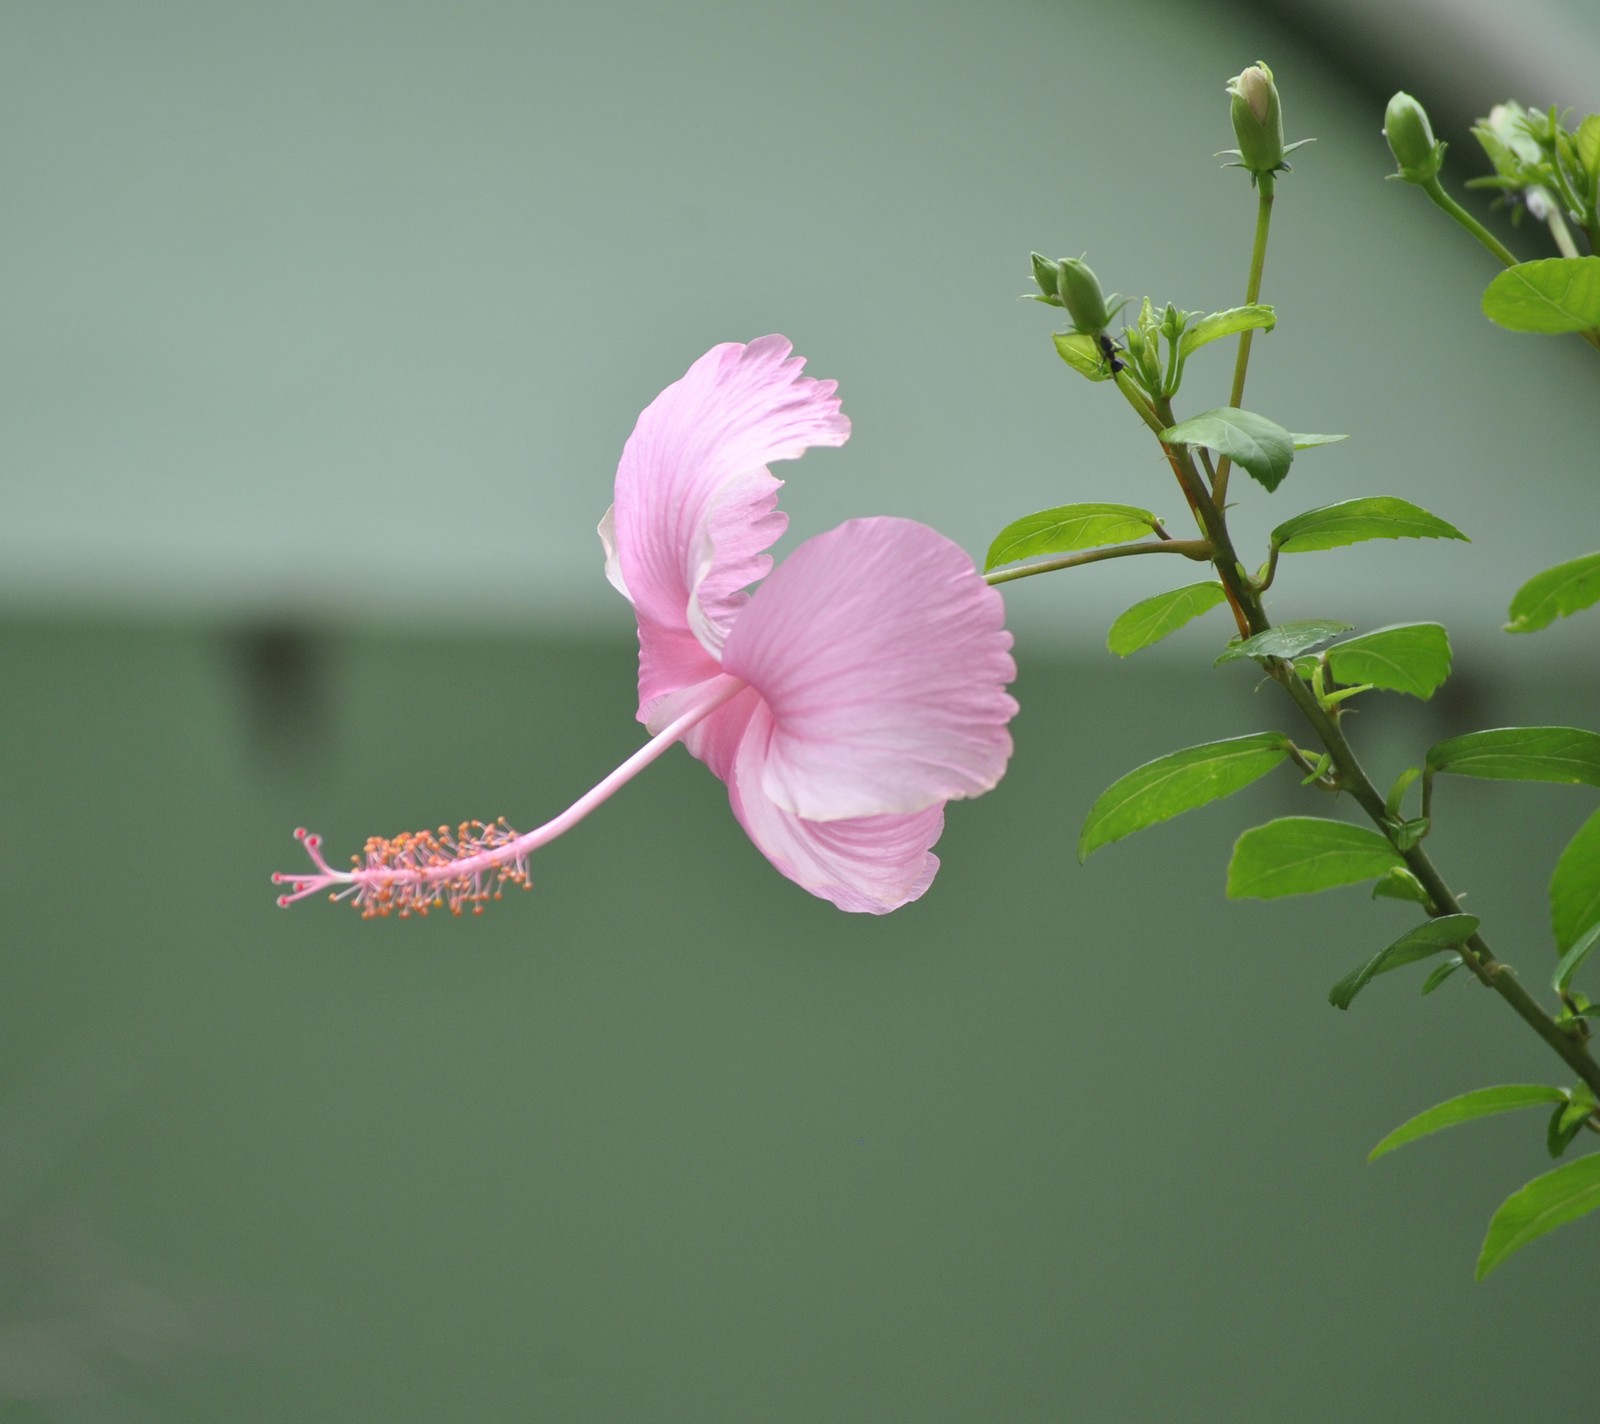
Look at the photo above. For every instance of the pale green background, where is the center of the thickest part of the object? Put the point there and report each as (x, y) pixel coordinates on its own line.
(323, 326)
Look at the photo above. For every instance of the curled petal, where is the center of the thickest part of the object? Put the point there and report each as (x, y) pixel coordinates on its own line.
(883, 658)
(867, 864)
(696, 507)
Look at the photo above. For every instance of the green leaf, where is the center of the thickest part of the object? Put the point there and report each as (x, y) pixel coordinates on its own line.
(1310, 442)
(1573, 958)
(1399, 884)
(1553, 294)
(1565, 754)
(1433, 937)
(1226, 323)
(1567, 588)
(1152, 619)
(1413, 658)
(1557, 1135)
(1181, 781)
(1575, 886)
(1395, 800)
(1068, 527)
(1481, 1102)
(1410, 833)
(1299, 855)
(1082, 352)
(1251, 441)
(1571, 1191)
(1353, 520)
(1567, 1121)
(1443, 972)
(1588, 144)
(1287, 640)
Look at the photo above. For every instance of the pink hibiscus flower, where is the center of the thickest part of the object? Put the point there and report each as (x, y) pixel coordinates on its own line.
(854, 692)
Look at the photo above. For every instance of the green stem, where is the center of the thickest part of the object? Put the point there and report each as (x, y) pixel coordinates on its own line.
(1560, 235)
(1476, 952)
(1137, 399)
(1252, 294)
(1197, 549)
(1353, 778)
(1442, 200)
(1214, 525)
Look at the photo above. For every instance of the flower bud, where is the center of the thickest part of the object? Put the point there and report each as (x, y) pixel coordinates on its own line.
(1257, 120)
(1411, 140)
(1080, 294)
(1046, 274)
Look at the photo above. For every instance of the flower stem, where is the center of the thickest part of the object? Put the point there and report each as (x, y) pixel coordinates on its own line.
(1241, 364)
(1448, 205)
(1197, 549)
(1435, 190)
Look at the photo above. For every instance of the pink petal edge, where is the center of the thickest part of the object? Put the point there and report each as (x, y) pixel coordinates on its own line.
(868, 864)
(695, 509)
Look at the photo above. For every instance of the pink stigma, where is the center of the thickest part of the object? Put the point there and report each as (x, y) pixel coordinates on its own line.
(417, 871)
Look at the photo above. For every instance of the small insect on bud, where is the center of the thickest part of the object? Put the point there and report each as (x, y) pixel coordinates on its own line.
(1080, 294)
(1411, 140)
(1257, 120)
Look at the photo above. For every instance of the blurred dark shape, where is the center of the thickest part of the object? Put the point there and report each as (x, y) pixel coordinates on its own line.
(282, 675)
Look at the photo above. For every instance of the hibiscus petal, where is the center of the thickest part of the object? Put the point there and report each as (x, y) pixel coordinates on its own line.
(883, 657)
(869, 864)
(695, 508)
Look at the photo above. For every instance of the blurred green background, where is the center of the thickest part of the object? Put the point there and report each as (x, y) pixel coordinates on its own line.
(324, 326)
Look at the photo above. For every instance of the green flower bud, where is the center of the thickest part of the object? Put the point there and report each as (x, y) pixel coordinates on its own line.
(1411, 140)
(1047, 274)
(1081, 295)
(1257, 120)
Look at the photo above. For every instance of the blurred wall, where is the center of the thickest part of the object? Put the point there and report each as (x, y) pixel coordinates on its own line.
(669, 1139)
(348, 308)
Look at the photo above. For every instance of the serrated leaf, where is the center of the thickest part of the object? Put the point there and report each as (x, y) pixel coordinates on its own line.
(1082, 352)
(1066, 528)
(1251, 441)
(1551, 295)
(1413, 658)
(1443, 972)
(1573, 958)
(1227, 323)
(1150, 620)
(1178, 782)
(1587, 140)
(1300, 855)
(1568, 755)
(1353, 520)
(1399, 884)
(1570, 1191)
(1287, 640)
(1434, 937)
(1310, 442)
(1575, 886)
(1481, 1102)
(1555, 593)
